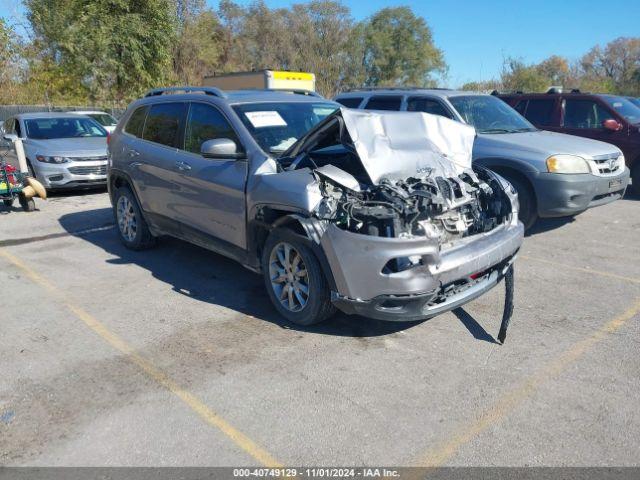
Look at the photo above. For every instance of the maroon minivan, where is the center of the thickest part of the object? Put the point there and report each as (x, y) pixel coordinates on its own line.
(608, 118)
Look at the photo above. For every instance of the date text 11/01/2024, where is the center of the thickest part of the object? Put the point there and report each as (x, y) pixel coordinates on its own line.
(316, 472)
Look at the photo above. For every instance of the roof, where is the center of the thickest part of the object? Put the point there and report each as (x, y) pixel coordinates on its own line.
(442, 93)
(36, 115)
(234, 96)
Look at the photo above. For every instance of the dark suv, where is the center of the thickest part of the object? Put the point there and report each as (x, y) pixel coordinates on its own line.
(608, 118)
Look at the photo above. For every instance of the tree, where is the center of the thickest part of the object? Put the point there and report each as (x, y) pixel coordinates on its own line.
(616, 66)
(197, 49)
(556, 70)
(516, 75)
(326, 43)
(116, 48)
(399, 49)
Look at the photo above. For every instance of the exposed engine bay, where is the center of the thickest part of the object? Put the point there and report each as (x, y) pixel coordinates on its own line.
(439, 208)
(401, 176)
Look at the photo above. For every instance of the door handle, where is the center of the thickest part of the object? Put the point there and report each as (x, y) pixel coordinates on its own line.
(133, 153)
(183, 166)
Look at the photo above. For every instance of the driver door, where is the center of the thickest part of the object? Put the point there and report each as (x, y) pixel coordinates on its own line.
(584, 117)
(210, 193)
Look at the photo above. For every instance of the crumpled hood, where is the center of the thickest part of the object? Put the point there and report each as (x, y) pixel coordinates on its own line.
(400, 145)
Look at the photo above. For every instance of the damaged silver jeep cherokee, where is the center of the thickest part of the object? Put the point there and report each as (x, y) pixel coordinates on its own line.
(379, 214)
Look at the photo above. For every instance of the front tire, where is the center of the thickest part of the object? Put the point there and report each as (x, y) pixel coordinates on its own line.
(132, 228)
(528, 210)
(294, 279)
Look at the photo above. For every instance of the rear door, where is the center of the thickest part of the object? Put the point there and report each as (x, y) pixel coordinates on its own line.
(155, 157)
(584, 117)
(541, 112)
(209, 194)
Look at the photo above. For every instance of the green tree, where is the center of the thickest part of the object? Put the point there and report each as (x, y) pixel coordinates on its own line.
(614, 67)
(399, 49)
(115, 48)
(197, 50)
(516, 75)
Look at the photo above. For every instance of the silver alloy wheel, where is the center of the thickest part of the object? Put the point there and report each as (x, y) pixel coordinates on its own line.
(127, 221)
(289, 277)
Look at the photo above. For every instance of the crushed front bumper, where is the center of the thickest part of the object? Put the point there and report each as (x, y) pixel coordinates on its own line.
(444, 279)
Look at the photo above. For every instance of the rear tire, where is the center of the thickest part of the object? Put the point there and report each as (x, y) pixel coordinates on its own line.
(133, 230)
(8, 203)
(294, 279)
(528, 210)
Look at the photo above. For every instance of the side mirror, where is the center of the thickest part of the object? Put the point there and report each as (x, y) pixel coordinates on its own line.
(222, 148)
(10, 137)
(611, 124)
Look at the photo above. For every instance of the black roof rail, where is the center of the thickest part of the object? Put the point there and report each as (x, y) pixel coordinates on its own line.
(508, 92)
(213, 91)
(575, 90)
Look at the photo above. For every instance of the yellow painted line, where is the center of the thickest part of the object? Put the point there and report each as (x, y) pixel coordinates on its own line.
(582, 269)
(509, 401)
(195, 404)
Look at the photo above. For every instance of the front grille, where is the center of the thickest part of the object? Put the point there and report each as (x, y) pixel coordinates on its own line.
(89, 159)
(97, 170)
(608, 166)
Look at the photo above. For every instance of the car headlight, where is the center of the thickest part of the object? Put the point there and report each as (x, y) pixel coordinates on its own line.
(567, 164)
(54, 159)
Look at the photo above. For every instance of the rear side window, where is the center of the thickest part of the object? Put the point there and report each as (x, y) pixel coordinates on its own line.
(206, 123)
(351, 102)
(521, 107)
(585, 114)
(165, 124)
(136, 122)
(427, 105)
(384, 102)
(540, 111)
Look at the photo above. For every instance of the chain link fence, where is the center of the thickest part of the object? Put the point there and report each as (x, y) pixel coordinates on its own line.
(7, 111)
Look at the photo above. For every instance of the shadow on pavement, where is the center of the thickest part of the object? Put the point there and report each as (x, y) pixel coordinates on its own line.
(544, 225)
(208, 277)
(475, 329)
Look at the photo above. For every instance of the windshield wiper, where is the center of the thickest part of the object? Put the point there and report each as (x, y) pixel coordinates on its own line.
(496, 130)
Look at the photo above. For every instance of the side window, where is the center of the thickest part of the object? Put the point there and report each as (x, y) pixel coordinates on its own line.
(165, 124)
(521, 106)
(540, 111)
(427, 105)
(350, 102)
(205, 122)
(16, 128)
(7, 127)
(384, 102)
(584, 114)
(136, 122)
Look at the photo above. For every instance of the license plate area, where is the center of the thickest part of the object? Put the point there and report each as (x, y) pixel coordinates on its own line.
(615, 184)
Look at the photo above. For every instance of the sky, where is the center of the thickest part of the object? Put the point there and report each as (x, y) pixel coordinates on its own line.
(476, 36)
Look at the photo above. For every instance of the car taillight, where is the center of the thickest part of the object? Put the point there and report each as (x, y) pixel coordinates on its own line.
(108, 138)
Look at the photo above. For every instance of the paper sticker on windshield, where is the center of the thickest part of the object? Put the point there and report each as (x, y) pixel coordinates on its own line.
(266, 119)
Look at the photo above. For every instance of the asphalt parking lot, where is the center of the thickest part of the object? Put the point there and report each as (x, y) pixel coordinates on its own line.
(174, 356)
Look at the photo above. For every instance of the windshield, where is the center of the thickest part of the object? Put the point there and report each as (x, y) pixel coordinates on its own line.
(635, 101)
(624, 108)
(277, 126)
(490, 115)
(52, 128)
(104, 119)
